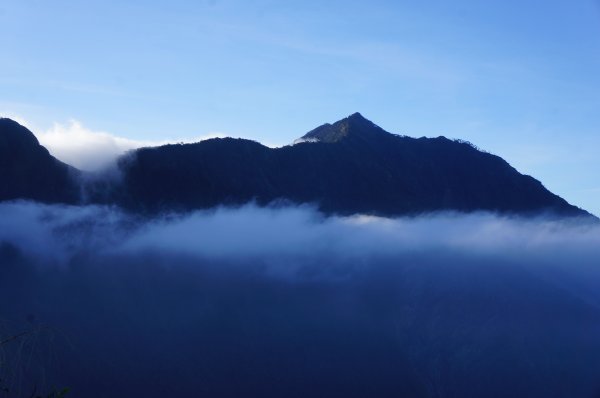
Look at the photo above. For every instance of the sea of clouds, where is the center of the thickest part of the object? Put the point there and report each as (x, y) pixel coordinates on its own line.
(284, 301)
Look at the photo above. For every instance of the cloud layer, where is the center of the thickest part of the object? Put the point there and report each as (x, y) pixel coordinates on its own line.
(286, 302)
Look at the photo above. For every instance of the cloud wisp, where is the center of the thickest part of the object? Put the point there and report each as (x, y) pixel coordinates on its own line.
(79, 146)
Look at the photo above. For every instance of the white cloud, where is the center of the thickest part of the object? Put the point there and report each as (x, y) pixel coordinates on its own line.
(79, 146)
(302, 140)
(297, 233)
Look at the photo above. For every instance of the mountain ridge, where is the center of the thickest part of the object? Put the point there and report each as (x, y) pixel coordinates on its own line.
(351, 166)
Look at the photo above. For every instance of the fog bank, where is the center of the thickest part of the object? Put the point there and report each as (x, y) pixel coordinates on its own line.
(287, 302)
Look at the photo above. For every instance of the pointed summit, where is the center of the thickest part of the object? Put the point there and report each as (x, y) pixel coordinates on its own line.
(356, 117)
(355, 126)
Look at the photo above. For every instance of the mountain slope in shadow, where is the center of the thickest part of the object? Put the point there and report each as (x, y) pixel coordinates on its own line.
(351, 166)
(28, 171)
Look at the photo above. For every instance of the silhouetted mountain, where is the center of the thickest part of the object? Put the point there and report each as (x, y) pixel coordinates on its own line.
(28, 171)
(351, 166)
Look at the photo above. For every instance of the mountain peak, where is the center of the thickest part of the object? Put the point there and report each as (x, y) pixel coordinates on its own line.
(13, 135)
(353, 126)
(357, 116)
(367, 171)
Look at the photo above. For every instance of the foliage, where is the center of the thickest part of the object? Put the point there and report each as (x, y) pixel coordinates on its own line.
(5, 391)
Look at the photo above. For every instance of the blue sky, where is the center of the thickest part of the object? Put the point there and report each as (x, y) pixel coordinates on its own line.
(517, 78)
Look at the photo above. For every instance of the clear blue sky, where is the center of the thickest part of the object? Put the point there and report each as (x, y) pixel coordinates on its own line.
(518, 78)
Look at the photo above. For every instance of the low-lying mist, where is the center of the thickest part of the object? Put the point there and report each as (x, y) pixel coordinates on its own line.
(283, 301)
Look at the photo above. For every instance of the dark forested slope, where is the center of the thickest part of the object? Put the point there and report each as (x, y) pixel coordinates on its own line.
(28, 171)
(351, 166)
